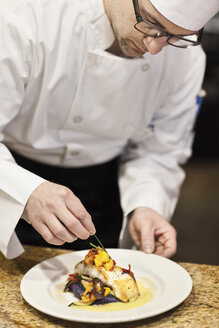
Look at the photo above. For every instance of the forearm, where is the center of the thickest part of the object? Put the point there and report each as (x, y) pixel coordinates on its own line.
(16, 185)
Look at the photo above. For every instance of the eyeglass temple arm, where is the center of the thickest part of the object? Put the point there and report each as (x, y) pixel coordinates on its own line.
(137, 9)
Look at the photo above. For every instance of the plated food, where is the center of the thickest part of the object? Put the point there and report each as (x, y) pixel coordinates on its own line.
(98, 280)
(162, 283)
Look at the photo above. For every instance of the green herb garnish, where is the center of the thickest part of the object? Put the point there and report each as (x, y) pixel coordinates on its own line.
(99, 241)
(95, 246)
(100, 245)
(72, 304)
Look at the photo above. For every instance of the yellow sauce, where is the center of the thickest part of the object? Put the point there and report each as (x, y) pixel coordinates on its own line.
(144, 297)
(146, 294)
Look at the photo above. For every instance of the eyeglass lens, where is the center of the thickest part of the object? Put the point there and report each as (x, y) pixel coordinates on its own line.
(152, 31)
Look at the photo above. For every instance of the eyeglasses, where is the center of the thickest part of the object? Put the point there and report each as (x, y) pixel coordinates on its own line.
(150, 29)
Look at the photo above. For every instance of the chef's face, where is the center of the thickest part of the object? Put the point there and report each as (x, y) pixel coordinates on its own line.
(132, 42)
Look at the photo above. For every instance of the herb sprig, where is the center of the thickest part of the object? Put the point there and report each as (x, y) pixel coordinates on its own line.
(98, 240)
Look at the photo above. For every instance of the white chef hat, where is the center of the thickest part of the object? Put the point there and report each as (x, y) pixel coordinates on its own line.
(190, 14)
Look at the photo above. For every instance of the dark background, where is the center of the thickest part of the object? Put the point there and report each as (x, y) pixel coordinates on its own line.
(197, 214)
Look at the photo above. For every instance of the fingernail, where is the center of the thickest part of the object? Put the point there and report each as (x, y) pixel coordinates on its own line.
(92, 232)
(148, 249)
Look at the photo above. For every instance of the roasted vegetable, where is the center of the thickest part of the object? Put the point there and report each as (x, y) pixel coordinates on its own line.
(100, 258)
(99, 290)
(77, 289)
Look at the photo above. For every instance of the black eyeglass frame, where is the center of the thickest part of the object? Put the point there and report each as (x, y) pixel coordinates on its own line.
(162, 32)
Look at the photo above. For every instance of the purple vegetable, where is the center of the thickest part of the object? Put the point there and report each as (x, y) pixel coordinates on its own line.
(77, 289)
(106, 300)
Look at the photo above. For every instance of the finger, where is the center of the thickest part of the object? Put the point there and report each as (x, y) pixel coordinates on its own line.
(166, 247)
(135, 235)
(170, 248)
(75, 206)
(59, 230)
(47, 235)
(73, 224)
(165, 252)
(158, 250)
(147, 237)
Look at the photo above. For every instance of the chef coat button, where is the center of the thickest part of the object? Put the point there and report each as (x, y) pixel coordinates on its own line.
(145, 67)
(74, 153)
(129, 127)
(77, 119)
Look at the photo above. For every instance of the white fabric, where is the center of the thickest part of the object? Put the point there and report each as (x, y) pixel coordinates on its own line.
(66, 101)
(191, 14)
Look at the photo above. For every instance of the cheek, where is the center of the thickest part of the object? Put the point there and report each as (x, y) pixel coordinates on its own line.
(123, 18)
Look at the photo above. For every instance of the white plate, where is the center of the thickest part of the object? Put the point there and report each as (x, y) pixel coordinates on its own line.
(170, 285)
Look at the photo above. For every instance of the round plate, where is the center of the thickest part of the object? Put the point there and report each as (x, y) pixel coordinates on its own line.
(170, 285)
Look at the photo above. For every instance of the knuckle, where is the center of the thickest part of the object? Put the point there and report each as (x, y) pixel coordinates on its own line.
(76, 228)
(50, 204)
(39, 218)
(81, 214)
(48, 238)
(59, 232)
(72, 225)
(64, 192)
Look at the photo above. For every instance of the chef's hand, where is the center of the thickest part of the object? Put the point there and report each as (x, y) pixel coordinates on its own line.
(152, 233)
(58, 215)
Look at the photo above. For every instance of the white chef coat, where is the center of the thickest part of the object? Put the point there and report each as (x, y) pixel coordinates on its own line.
(66, 101)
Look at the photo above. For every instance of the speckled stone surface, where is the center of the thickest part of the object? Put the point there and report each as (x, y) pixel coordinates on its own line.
(200, 309)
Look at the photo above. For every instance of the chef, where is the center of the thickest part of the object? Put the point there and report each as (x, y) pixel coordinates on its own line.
(98, 104)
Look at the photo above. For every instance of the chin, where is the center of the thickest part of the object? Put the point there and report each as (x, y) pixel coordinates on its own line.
(128, 50)
(132, 53)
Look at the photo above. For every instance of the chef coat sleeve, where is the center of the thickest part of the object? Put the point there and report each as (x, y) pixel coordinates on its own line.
(150, 171)
(16, 183)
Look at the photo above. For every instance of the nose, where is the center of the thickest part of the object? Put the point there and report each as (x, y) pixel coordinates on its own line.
(155, 45)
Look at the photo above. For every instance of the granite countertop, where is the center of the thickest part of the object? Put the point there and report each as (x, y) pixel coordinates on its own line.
(200, 309)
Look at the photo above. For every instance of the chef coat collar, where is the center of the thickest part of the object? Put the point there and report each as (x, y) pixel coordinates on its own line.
(101, 25)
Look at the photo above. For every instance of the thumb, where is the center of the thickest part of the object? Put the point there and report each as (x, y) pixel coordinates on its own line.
(147, 239)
